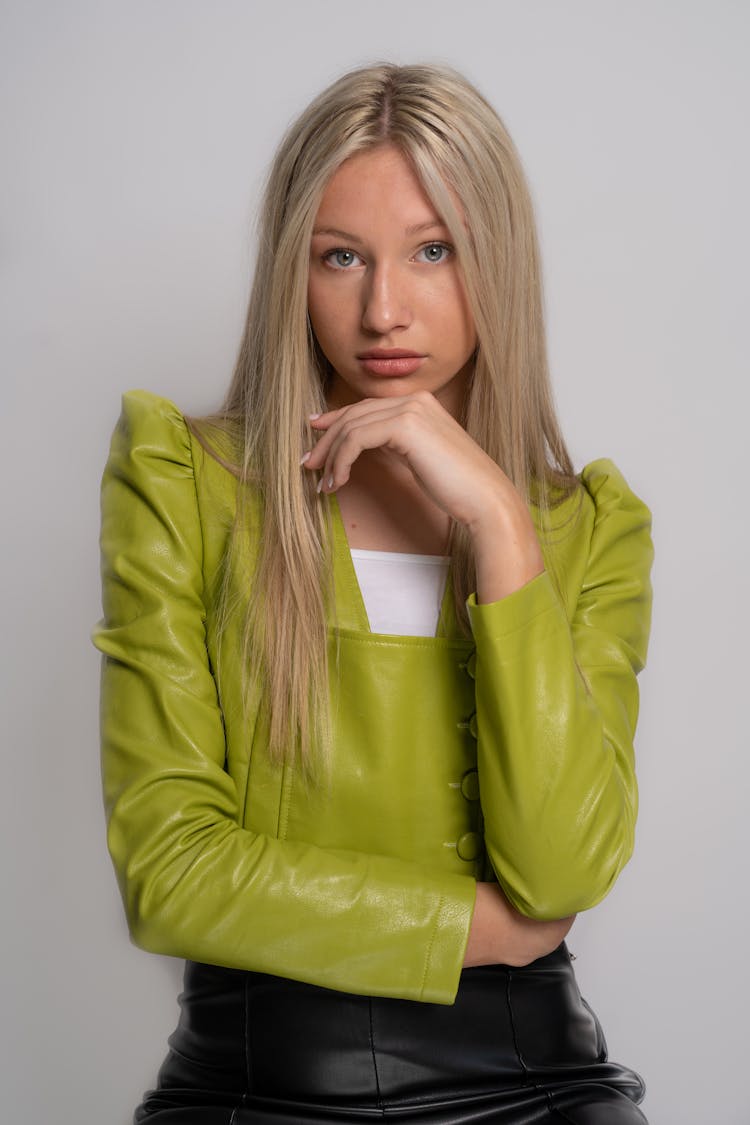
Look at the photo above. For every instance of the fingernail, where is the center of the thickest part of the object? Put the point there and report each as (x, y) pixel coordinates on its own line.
(312, 417)
(319, 485)
(305, 457)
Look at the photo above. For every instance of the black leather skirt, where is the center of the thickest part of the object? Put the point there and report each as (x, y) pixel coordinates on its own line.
(518, 1047)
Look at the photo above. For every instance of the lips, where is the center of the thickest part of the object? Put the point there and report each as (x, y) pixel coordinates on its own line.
(391, 361)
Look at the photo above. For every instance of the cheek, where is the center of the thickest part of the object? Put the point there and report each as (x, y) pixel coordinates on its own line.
(454, 313)
(314, 309)
(466, 315)
(326, 311)
(328, 322)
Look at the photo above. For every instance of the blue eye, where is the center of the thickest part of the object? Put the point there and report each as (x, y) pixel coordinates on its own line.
(434, 252)
(341, 259)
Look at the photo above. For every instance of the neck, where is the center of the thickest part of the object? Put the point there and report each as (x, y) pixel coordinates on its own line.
(384, 509)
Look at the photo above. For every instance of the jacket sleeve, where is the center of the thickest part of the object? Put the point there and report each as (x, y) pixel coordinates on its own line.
(556, 708)
(195, 883)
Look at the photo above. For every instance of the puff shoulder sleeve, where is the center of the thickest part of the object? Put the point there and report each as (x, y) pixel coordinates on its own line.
(556, 709)
(194, 881)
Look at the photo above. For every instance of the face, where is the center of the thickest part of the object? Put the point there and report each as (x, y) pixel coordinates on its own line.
(386, 297)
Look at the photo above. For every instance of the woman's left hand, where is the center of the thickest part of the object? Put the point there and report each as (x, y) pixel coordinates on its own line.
(454, 472)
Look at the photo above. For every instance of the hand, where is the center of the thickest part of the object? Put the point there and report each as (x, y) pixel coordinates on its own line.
(453, 471)
(499, 935)
(451, 468)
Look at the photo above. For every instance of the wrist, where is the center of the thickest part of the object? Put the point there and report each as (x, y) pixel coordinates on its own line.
(500, 511)
(507, 552)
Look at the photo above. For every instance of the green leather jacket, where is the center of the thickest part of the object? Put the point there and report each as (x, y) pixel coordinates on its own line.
(453, 760)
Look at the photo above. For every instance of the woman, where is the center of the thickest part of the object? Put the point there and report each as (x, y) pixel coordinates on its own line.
(370, 653)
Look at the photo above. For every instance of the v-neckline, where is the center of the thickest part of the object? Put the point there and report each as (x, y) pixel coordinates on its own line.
(351, 612)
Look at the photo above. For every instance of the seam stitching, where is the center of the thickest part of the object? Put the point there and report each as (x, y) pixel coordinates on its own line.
(522, 1061)
(374, 1058)
(428, 955)
(248, 1060)
(529, 1079)
(556, 1109)
(243, 1100)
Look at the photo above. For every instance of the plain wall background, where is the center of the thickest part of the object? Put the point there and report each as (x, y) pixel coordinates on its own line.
(134, 139)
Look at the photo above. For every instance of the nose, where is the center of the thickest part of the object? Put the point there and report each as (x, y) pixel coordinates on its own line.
(386, 303)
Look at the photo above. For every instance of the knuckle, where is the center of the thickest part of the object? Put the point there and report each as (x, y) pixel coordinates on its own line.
(349, 438)
(413, 416)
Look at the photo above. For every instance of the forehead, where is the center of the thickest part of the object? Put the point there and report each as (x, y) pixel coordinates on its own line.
(378, 183)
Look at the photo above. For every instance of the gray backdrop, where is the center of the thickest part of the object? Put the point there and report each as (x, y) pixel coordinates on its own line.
(134, 139)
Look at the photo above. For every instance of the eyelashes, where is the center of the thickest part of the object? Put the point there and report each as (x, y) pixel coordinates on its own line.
(443, 249)
(432, 253)
(342, 259)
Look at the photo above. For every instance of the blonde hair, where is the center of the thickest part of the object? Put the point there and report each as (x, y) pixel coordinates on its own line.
(459, 149)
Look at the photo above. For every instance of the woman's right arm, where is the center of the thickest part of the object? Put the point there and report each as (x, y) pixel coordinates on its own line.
(194, 881)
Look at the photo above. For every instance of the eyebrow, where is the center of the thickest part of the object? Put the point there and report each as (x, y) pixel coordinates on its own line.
(416, 228)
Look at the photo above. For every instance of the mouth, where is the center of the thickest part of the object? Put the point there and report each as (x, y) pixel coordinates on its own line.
(391, 361)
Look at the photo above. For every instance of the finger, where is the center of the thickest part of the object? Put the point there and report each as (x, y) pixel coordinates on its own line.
(341, 420)
(365, 405)
(327, 416)
(325, 422)
(355, 436)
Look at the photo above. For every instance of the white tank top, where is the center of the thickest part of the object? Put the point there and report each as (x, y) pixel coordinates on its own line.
(402, 593)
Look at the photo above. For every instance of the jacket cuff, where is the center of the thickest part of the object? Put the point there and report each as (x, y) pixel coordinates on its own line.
(445, 957)
(509, 618)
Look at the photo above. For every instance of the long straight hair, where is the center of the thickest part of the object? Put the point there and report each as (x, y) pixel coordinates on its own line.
(460, 150)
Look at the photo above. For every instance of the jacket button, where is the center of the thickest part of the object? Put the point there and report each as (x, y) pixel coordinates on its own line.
(469, 846)
(470, 785)
(470, 725)
(469, 665)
